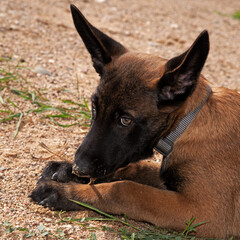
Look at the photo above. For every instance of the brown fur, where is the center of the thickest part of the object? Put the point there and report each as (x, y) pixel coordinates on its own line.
(210, 163)
(207, 155)
(204, 162)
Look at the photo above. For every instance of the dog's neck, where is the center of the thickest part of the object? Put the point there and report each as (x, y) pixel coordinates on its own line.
(165, 144)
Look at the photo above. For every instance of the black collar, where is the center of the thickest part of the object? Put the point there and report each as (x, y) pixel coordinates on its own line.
(165, 145)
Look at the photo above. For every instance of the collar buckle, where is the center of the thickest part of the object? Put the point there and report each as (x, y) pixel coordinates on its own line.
(164, 146)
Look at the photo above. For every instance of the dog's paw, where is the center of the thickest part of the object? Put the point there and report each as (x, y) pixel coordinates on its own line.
(54, 196)
(60, 172)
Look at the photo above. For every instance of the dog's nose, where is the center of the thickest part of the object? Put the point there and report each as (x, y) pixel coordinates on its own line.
(80, 172)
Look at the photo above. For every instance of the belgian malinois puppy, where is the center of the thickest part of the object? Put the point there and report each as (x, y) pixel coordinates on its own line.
(144, 102)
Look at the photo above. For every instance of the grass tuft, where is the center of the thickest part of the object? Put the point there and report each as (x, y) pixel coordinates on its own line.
(112, 218)
(18, 98)
(41, 232)
(236, 15)
(150, 233)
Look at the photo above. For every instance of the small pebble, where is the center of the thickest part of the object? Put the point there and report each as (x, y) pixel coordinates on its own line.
(174, 25)
(41, 70)
(48, 219)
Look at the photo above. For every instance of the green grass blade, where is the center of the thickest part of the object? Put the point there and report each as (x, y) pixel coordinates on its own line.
(69, 219)
(22, 94)
(5, 79)
(5, 111)
(1, 99)
(10, 117)
(15, 91)
(63, 125)
(5, 59)
(1, 88)
(188, 225)
(236, 15)
(73, 103)
(86, 104)
(44, 108)
(85, 114)
(18, 125)
(79, 112)
(59, 116)
(11, 102)
(105, 214)
(192, 227)
(33, 97)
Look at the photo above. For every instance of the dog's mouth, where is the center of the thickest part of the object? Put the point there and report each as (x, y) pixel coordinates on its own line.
(100, 172)
(80, 175)
(91, 179)
(97, 171)
(77, 172)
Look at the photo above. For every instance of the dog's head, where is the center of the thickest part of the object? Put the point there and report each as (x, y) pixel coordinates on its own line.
(135, 101)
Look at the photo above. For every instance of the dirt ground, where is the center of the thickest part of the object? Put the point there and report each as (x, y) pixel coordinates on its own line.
(41, 33)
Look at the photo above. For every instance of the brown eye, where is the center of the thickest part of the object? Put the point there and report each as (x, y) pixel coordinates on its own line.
(125, 121)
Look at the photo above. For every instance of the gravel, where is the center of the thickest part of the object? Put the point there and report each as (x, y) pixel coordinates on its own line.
(42, 33)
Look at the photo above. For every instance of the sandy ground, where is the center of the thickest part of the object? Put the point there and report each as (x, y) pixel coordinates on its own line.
(42, 33)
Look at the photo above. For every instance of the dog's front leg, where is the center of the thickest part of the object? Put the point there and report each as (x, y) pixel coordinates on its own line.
(144, 172)
(140, 202)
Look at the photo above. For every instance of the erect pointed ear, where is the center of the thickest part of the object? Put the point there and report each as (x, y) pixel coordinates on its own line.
(182, 72)
(101, 47)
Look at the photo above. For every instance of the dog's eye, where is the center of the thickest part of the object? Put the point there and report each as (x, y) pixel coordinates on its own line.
(125, 121)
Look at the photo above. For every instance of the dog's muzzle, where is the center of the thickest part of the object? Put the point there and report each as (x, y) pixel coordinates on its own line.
(98, 171)
(79, 172)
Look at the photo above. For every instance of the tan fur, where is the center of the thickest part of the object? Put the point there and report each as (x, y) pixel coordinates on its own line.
(201, 173)
(210, 149)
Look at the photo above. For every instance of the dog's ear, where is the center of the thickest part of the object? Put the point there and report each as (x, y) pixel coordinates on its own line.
(101, 47)
(182, 72)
